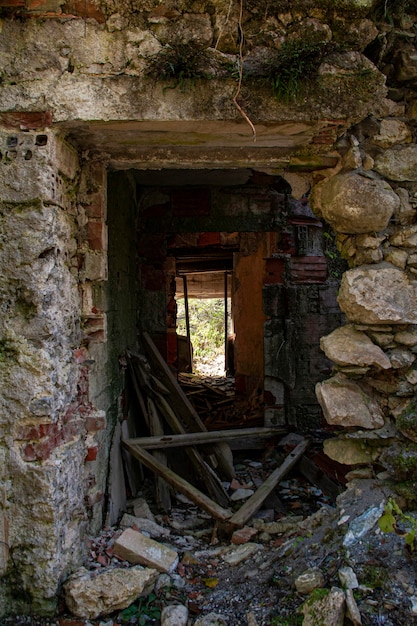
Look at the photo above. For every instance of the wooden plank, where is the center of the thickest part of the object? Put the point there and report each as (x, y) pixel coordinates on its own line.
(192, 439)
(155, 427)
(183, 407)
(253, 504)
(177, 482)
(316, 476)
(162, 494)
(138, 391)
(211, 480)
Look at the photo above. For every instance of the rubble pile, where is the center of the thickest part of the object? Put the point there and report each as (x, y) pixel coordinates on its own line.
(333, 566)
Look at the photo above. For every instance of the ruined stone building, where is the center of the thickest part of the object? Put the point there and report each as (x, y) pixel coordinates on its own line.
(270, 142)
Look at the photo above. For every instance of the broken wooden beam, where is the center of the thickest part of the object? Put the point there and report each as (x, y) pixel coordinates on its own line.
(317, 477)
(193, 439)
(210, 479)
(179, 483)
(250, 507)
(183, 407)
(163, 497)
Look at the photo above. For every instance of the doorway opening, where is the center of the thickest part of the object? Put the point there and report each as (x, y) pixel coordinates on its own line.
(205, 326)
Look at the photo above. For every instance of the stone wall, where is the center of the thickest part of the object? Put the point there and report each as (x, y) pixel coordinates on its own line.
(42, 454)
(373, 210)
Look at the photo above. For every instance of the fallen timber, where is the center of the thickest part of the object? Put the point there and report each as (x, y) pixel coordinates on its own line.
(213, 436)
(173, 423)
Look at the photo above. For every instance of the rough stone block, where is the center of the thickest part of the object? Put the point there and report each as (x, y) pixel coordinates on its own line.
(90, 595)
(145, 525)
(136, 548)
(243, 535)
(95, 266)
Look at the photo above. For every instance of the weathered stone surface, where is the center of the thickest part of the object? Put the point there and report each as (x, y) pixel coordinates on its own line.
(378, 294)
(352, 609)
(407, 421)
(345, 404)
(359, 34)
(309, 580)
(392, 132)
(211, 619)
(399, 164)
(174, 615)
(347, 346)
(406, 213)
(396, 257)
(348, 578)
(283, 525)
(401, 357)
(241, 553)
(349, 451)
(145, 525)
(405, 237)
(406, 64)
(401, 460)
(352, 203)
(136, 548)
(141, 509)
(328, 610)
(90, 594)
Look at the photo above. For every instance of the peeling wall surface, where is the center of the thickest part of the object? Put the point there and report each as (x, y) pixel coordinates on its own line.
(92, 92)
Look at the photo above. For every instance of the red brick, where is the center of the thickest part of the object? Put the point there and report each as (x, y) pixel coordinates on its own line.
(26, 121)
(42, 450)
(172, 348)
(91, 454)
(12, 3)
(243, 535)
(36, 432)
(32, 5)
(86, 9)
(96, 206)
(209, 239)
(275, 271)
(95, 235)
(93, 424)
(71, 430)
(97, 174)
(80, 355)
(308, 270)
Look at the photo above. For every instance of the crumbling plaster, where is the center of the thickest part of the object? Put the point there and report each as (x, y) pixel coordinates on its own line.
(74, 101)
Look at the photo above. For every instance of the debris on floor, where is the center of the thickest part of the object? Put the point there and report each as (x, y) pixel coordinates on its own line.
(288, 567)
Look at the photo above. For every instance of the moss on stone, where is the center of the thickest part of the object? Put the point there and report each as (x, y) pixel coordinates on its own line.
(408, 491)
(373, 576)
(405, 463)
(407, 421)
(7, 350)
